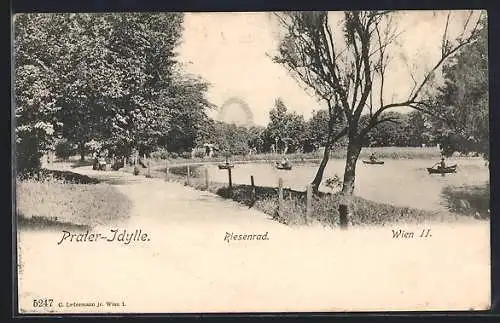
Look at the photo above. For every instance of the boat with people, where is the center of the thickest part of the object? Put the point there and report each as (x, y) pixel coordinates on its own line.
(373, 162)
(283, 166)
(441, 170)
(226, 166)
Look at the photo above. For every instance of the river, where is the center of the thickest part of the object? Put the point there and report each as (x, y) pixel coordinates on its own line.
(402, 182)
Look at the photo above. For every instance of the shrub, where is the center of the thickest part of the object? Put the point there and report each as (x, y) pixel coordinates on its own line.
(334, 183)
(28, 155)
(194, 171)
(186, 155)
(173, 155)
(471, 200)
(68, 177)
(160, 154)
(199, 154)
(64, 149)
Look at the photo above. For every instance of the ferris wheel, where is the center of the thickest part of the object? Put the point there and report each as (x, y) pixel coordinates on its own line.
(245, 117)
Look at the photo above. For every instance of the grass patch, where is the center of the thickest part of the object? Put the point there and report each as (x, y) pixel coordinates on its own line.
(80, 163)
(470, 200)
(43, 223)
(394, 153)
(49, 175)
(53, 202)
(325, 208)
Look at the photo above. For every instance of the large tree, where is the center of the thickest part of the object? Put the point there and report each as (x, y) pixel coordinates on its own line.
(35, 93)
(106, 78)
(462, 119)
(285, 129)
(347, 68)
(317, 127)
(418, 129)
(186, 108)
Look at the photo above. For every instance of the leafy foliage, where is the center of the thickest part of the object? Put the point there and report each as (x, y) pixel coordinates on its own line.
(285, 129)
(105, 78)
(347, 69)
(461, 120)
(64, 149)
(404, 130)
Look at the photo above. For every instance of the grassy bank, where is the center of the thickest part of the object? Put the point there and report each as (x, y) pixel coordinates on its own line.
(470, 200)
(65, 199)
(324, 206)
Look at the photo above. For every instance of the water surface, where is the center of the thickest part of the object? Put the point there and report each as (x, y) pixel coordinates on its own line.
(397, 182)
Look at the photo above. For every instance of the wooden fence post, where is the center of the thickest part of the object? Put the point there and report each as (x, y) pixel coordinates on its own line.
(230, 181)
(309, 201)
(187, 174)
(253, 188)
(149, 168)
(206, 178)
(280, 195)
(167, 170)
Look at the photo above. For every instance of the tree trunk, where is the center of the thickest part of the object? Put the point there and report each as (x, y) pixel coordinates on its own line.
(326, 156)
(353, 150)
(319, 174)
(81, 149)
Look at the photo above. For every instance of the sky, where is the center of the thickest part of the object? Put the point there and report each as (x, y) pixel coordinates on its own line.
(232, 52)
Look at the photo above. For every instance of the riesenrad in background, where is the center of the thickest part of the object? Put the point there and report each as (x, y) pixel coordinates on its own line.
(236, 110)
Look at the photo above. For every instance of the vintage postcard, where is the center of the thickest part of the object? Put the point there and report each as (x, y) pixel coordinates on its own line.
(251, 162)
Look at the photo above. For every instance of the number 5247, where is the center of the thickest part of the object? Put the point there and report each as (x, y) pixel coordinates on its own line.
(46, 302)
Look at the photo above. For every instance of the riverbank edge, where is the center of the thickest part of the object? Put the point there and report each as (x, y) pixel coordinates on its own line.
(364, 213)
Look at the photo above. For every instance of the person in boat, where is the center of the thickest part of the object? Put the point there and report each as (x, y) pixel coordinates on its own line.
(285, 162)
(441, 164)
(373, 158)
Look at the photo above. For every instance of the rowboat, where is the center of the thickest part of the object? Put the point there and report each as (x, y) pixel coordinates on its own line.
(225, 166)
(283, 167)
(373, 162)
(446, 170)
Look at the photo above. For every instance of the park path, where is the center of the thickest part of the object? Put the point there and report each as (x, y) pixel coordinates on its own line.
(186, 266)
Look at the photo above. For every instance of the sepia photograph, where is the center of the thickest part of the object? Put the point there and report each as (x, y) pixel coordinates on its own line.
(251, 162)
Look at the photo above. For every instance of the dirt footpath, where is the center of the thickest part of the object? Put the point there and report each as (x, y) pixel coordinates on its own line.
(185, 264)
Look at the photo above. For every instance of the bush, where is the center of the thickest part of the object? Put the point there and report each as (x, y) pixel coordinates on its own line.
(67, 177)
(199, 153)
(64, 150)
(28, 155)
(173, 155)
(186, 155)
(470, 200)
(160, 154)
(118, 164)
(334, 183)
(194, 170)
